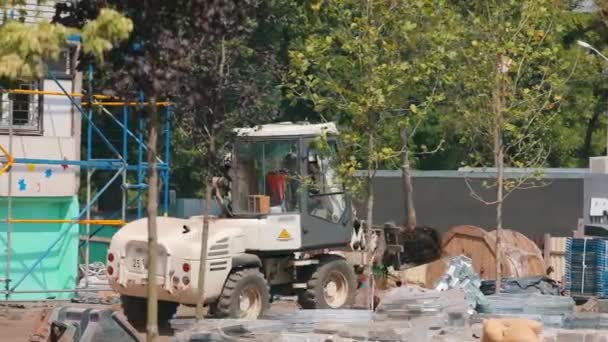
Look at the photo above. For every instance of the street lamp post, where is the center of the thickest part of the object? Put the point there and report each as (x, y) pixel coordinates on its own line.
(590, 47)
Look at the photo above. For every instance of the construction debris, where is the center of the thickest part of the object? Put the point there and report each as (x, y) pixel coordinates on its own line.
(83, 324)
(460, 275)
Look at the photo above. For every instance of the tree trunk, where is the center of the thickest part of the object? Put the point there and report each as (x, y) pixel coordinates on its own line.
(586, 149)
(370, 184)
(370, 216)
(408, 187)
(205, 236)
(152, 208)
(499, 164)
(208, 187)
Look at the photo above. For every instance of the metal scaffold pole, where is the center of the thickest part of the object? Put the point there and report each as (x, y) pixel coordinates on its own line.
(89, 176)
(9, 209)
(125, 153)
(119, 163)
(167, 173)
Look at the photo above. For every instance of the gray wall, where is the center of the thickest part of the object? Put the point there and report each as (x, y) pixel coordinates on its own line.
(443, 200)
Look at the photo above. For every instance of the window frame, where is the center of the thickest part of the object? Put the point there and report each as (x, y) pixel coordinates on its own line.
(310, 195)
(35, 130)
(236, 205)
(67, 60)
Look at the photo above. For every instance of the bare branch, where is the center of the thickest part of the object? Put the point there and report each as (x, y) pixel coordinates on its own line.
(416, 127)
(437, 148)
(474, 193)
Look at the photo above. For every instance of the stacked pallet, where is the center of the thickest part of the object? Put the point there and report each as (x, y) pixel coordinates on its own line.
(587, 267)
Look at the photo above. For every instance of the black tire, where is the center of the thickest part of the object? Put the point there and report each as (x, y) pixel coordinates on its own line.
(249, 282)
(330, 269)
(136, 310)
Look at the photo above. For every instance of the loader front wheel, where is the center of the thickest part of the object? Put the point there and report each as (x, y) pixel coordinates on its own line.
(332, 285)
(245, 295)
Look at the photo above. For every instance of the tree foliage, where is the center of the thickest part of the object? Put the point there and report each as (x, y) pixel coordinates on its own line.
(231, 82)
(514, 83)
(377, 68)
(25, 48)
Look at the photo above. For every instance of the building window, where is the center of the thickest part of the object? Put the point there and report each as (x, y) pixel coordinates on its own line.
(62, 67)
(26, 108)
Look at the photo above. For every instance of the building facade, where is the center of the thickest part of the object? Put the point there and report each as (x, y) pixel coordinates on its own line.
(38, 123)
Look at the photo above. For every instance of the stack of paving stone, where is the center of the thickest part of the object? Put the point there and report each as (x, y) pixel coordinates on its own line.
(582, 335)
(586, 320)
(405, 314)
(550, 310)
(428, 308)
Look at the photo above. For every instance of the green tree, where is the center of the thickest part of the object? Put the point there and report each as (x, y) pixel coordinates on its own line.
(377, 69)
(509, 90)
(154, 61)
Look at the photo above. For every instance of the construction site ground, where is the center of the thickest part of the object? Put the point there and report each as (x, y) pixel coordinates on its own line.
(18, 319)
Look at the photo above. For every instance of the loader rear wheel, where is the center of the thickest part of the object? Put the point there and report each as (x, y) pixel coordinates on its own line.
(136, 310)
(245, 295)
(332, 285)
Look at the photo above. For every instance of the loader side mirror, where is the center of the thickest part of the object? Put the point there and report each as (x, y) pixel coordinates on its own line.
(227, 161)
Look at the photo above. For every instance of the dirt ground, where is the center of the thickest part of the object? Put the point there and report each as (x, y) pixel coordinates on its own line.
(19, 319)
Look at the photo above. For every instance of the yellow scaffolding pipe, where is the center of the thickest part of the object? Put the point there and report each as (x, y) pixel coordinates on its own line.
(100, 97)
(94, 222)
(9, 161)
(116, 104)
(48, 92)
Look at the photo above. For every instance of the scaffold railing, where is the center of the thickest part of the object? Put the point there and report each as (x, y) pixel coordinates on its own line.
(118, 161)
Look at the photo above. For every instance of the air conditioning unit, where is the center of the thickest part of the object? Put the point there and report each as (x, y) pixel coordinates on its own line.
(598, 165)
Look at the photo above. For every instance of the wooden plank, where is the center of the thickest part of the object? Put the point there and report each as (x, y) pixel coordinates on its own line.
(579, 233)
(547, 248)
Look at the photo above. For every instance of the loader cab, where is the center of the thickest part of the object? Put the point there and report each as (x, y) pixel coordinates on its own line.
(285, 169)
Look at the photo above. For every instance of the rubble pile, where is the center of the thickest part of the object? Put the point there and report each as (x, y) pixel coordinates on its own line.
(461, 275)
(83, 324)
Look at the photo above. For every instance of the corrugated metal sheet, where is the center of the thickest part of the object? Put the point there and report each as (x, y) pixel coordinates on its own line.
(557, 258)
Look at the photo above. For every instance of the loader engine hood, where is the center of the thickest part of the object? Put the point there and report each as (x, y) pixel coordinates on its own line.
(181, 238)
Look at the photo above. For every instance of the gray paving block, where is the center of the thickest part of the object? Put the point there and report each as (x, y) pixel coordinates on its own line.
(104, 327)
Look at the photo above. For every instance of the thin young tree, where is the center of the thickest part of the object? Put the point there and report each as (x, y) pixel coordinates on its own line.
(152, 64)
(508, 93)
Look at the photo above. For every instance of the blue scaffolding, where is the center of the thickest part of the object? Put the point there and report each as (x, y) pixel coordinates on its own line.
(118, 162)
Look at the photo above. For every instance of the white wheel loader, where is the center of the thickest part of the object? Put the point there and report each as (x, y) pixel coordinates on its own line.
(285, 215)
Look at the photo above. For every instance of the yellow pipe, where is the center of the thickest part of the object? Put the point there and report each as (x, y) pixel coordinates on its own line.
(115, 104)
(95, 222)
(9, 161)
(48, 92)
(39, 92)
